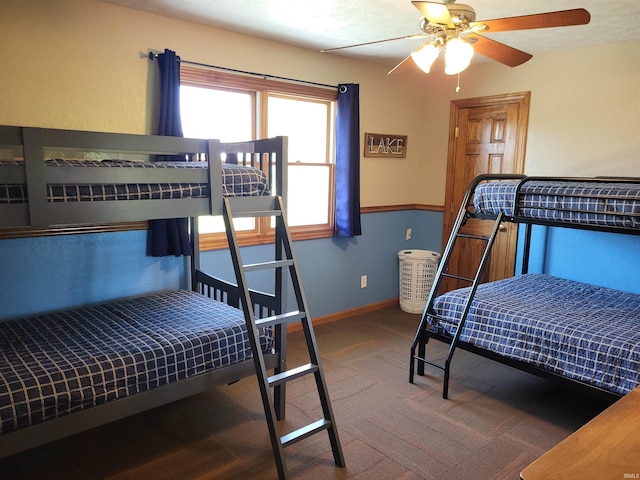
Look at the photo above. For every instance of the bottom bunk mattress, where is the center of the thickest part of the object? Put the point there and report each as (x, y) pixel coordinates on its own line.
(59, 363)
(583, 332)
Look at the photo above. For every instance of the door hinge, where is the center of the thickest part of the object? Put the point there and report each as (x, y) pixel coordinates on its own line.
(457, 132)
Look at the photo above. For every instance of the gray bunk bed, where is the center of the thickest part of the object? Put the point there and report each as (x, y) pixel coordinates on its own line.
(561, 329)
(64, 372)
(68, 371)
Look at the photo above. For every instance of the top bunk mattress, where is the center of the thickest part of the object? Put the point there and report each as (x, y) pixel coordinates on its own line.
(237, 180)
(598, 204)
(580, 331)
(55, 364)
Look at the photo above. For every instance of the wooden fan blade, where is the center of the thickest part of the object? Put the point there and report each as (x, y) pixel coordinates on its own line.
(498, 51)
(437, 13)
(407, 37)
(403, 66)
(564, 18)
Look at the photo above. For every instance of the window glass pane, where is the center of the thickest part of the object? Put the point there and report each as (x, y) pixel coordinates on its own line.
(305, 123)
(208, 113)
(308, 202)
(201, 109)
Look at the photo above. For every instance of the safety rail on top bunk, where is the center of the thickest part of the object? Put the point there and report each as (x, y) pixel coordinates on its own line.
(31, 144)
(467, 200)
(34, 172)
(267, 154)
(518, 204)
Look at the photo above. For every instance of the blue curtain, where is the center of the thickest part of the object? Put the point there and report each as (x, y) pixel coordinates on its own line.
(347, 222)
(171, 236)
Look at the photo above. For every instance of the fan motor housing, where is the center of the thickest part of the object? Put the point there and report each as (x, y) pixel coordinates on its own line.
(461, 14)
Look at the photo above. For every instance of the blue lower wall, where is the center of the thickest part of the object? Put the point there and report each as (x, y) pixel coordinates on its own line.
(331, 268)
(52, 273)
(606, 259)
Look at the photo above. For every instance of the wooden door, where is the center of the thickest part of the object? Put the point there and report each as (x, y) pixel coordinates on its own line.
(487, 135)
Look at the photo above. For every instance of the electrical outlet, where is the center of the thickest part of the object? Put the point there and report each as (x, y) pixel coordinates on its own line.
(363, 281)
(408, 234)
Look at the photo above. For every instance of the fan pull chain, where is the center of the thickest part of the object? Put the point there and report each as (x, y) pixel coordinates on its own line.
(458, 86)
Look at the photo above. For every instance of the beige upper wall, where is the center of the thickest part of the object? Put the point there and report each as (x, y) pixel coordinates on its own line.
(79, 64)
(584, 116)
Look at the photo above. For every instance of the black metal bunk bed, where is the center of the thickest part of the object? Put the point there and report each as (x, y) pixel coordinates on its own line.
(216, 334)
(582, 334)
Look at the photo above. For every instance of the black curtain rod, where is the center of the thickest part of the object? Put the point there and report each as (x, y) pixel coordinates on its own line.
(263, 75)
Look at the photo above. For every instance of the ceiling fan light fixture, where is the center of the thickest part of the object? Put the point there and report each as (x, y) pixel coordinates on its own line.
(457, 56)
(425, 56)
(447, 24)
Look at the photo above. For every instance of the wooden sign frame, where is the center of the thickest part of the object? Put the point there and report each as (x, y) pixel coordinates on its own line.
(385, 145)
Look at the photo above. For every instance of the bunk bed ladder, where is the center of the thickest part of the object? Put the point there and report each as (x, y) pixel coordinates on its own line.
(421, 338)
(284, 260)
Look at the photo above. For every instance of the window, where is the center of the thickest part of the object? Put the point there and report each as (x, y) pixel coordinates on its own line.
(235, 108)
(310, 171)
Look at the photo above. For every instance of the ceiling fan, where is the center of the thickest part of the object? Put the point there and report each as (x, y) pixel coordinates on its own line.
(453, 28)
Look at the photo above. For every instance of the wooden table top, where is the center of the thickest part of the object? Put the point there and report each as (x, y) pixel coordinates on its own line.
(608, 447)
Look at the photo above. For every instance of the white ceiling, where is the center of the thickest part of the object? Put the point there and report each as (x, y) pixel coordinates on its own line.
(319, 24)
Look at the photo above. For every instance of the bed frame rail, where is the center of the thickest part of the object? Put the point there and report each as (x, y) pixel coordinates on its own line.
(264, 304)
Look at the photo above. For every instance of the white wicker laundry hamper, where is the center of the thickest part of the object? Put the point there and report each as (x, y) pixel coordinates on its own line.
(417, 271)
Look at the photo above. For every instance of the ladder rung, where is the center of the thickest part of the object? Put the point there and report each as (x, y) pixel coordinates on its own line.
(252, 206)
(264, 265)
(287, 318)
(457, 277)
(438, 318)
(257, 213)
(433, 364)
(304, 432)
(292, 374)
(473, 237)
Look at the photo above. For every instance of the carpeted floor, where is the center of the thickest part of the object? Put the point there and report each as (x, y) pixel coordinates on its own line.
(496, 421)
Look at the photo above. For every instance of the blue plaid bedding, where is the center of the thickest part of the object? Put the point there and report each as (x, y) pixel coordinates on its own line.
(237, 180)
(584, 332)
(590, 203)
(59, 363)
